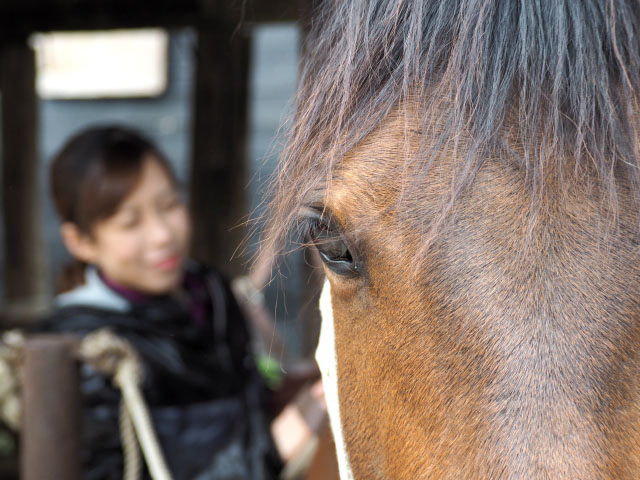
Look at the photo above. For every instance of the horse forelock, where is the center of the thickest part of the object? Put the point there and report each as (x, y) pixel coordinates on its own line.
(558, 76)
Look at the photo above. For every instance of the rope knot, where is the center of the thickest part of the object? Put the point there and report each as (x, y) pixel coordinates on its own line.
(111, 355)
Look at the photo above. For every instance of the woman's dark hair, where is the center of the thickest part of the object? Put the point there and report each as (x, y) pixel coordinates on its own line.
(91, 175)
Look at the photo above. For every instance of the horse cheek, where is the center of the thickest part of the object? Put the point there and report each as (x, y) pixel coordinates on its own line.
(368, 414)
(327, 359)
(354, 432)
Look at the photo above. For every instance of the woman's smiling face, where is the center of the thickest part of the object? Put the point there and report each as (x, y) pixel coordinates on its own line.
(143, 245)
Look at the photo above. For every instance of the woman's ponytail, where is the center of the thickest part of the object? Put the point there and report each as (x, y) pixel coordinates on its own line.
(71, 276)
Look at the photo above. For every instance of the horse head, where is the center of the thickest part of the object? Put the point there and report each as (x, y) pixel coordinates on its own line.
(468, 172)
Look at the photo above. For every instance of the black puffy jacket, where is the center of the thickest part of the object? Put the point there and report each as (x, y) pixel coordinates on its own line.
(200, 382)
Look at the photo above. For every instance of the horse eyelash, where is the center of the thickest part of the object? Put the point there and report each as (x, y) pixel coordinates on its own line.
(305, 227)
(311, 219)
(309, 224)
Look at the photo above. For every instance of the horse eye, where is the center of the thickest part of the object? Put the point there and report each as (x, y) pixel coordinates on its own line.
(333, 250)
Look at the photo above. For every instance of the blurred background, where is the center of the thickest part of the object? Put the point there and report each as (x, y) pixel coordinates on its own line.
(211, 82)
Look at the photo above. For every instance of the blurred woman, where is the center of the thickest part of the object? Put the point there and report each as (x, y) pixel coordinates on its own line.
(126, 226)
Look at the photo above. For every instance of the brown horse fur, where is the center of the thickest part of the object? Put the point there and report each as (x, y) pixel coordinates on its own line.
(501, 357)
(493, 327)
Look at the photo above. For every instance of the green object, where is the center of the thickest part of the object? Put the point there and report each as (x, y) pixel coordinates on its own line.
(270, 370)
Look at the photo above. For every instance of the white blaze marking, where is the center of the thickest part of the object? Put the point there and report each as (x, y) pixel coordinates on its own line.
(328, 363)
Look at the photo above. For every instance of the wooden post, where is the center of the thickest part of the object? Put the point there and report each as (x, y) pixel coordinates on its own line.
(218, 169)
(51, 445)
(24, 260)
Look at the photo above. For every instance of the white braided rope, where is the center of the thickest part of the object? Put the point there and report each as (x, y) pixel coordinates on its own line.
(131, 451)
(114, 356)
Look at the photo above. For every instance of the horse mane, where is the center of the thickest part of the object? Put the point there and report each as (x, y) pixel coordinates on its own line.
(564, 73)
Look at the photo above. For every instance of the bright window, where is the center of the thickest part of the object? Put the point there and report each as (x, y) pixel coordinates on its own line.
(103, 64)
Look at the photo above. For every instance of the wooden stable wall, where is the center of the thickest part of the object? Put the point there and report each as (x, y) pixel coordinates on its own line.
(25, 16)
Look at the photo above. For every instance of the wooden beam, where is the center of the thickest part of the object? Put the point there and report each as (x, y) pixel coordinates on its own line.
(25, 17)
(20, 17)
(51, 443)
(261, 11)
(24, 260)
(218, 169)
